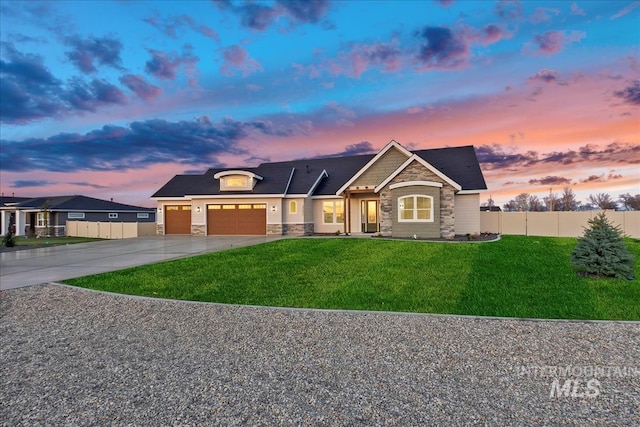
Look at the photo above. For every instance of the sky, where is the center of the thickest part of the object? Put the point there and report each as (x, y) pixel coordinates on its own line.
(111, 99)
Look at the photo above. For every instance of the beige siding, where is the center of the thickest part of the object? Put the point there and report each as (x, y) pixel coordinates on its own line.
(308, 211)
(467, 213)
(293, 218)
(381, 170)
(318, 225)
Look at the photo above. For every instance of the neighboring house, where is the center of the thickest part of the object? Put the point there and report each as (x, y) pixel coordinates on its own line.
(49, 215)
(490, 209)
(427, 194)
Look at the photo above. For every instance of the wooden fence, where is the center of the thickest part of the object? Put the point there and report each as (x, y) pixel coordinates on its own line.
(554, 224)
(110, 230)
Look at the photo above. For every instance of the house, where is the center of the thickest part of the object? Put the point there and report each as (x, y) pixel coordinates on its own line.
(396, 192)
(49, 215)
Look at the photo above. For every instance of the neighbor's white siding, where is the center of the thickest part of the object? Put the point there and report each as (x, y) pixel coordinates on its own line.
(467, 213)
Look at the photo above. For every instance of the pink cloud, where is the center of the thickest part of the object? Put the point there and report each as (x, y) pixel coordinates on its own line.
(236, 58)
(137, 84)
(626, 10)
(164, 66)
(552, 42)
(542, 14)
(577, 10)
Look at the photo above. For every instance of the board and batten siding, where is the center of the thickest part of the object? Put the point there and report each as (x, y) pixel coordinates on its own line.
(467, 213)
(379, 171)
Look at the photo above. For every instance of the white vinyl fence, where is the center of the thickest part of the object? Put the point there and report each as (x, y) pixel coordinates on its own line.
(554, 224)
(110, 230)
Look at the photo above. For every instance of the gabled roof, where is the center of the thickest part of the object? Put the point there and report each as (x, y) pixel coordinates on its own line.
(298, 177)
(11, 201)
(78, 203)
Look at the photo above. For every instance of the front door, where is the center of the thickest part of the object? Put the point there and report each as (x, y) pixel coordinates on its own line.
(369, 216)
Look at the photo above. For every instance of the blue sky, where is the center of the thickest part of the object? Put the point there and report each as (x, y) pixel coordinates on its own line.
(112, 98)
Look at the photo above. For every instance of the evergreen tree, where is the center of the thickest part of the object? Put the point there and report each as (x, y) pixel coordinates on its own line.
(601, 251)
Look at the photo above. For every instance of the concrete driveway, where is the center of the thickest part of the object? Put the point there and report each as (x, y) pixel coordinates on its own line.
(42, 265)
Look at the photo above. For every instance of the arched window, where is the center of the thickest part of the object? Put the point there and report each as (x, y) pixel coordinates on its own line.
(415, 208)
(293, 207)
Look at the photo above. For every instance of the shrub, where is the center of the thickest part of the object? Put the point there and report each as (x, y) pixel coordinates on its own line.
(9, 240)
(601, 251)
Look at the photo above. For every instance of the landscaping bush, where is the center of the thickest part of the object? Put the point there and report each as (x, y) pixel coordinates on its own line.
(9, 239)
(601, 251)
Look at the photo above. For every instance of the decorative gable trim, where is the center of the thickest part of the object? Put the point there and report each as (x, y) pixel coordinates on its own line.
(412, 183)
(389, 146)
(286, 190)
(415, 157)
(323, 174)
(237, 172)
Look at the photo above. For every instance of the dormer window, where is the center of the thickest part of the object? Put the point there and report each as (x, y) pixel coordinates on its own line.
(237, 180)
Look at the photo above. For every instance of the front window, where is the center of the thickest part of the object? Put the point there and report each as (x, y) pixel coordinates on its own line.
(43, 219)
(293, 207)
(333, 212)
(415, 209)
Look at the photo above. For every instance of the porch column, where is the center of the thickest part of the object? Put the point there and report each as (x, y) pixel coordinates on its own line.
(5, 222)
(347, 211)
(20, 221)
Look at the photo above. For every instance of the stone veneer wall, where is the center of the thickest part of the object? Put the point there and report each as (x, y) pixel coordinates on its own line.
(416, 172)
(198, 230)
(447, 212)
(297, 229)
(386, 212)
(274, 229)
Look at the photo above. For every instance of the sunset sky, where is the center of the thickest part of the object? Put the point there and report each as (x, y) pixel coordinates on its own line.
(111, 99)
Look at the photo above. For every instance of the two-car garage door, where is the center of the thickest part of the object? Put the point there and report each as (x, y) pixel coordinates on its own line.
(229, 219)
(222, 219)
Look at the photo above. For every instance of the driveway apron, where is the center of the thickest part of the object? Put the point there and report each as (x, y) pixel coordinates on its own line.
(42, 265)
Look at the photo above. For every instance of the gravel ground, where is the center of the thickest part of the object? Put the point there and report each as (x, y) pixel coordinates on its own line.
(75, 357)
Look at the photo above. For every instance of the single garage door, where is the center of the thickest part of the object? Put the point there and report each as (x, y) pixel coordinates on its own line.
(177, 219)
(231, 219)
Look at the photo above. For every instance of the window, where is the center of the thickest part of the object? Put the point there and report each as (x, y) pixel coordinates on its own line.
(43, 219)
(113, 215)
(236, 181)
(142, 215)
(333, 212)
(415, 209)
(75, 215)
(293, 207)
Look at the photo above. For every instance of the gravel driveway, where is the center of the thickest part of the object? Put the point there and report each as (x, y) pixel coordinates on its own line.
(75, 357)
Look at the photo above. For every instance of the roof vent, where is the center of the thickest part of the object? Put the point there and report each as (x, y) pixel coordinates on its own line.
(308, 171)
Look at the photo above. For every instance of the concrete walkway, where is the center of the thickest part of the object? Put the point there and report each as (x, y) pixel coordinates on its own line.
(41, 265)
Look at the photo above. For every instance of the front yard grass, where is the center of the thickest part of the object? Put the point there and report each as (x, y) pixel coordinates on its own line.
(33, 242)
(515, 277)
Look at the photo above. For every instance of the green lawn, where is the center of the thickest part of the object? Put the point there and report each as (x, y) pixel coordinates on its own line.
(50, 241)
(515, 277)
